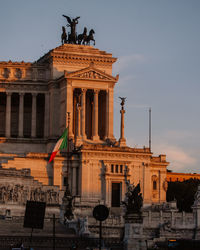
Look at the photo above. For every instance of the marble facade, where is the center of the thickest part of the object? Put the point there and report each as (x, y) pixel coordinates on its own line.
(35, 99)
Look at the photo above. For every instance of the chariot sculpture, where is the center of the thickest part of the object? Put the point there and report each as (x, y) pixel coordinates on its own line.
(72, 37)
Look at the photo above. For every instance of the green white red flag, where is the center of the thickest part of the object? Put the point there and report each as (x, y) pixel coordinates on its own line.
(61, 144)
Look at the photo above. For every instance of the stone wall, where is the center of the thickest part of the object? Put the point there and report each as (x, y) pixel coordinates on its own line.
(18, 186)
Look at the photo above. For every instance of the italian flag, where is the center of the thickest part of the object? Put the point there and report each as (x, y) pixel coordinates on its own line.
(61, 144)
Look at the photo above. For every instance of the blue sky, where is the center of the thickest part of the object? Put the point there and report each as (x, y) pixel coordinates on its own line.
(157, 43)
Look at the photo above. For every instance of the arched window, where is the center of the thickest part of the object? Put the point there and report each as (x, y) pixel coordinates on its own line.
(154, 185)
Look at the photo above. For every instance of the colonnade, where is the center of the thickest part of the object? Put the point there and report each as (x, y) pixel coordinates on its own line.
(21, 115)
(101, 118)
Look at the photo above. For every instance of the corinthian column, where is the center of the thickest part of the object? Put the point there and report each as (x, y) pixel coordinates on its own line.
(78, 137)
(8, 114)
(46, 116)
(69, 107)
(109, 113)
(83, 95)
(21, 114)
(95, 116)
(33, 121)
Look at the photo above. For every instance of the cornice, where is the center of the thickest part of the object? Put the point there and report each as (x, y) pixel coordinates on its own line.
(71, 53)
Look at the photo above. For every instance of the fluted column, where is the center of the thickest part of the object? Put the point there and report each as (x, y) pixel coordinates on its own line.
(21, 115)
(95, 116)
(122, 140)
(83, 95)
(74, 180)
(79, 121)
(78, 137)
(109, 113)
(8, 114)
(69, 107)
(46, 116)
(33, 121)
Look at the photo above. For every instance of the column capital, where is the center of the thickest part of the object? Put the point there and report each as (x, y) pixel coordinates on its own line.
(34, 94)
(83, 90)
(8, 93)
(21, 93)
(79, 107)
(96, 91)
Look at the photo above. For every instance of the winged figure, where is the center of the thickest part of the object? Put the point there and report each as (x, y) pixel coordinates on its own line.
(122, 101)
(72, 24)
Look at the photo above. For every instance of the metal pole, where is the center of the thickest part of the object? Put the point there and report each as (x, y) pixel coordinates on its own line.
(150, 129)
(100, 234)
(68, 123)
(54, 242)
(31, 238)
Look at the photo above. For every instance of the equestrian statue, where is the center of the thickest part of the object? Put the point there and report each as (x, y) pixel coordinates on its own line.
(72, 36)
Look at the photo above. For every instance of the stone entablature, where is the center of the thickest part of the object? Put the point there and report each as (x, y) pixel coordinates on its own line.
(78, 56)
(21, 71)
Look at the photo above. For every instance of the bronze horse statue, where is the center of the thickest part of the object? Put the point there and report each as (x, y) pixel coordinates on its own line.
(89, 38)
(82, 37)
(63, 36)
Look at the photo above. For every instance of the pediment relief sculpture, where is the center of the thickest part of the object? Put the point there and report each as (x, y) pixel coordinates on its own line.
(91, 73)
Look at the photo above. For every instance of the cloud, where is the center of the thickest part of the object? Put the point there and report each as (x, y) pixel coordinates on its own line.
(180, 159)
(127, 61)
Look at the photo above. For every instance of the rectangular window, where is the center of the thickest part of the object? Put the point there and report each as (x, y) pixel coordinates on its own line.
(65, 181)
(116, 169)
(116, 194)
(112, 168)
(121, 168)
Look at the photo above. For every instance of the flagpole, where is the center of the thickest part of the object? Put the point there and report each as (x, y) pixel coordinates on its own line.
(68, 123)
(150, 128)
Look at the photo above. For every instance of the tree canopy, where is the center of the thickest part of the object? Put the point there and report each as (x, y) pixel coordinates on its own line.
(183, 193)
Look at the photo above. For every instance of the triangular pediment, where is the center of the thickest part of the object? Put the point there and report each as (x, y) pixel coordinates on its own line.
(91, 73)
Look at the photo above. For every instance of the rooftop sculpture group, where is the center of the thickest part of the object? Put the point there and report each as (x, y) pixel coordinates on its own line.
(72, 36)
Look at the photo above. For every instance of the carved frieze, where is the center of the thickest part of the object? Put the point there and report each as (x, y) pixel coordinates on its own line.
(92, 75)
(24, 87)
(20, 194)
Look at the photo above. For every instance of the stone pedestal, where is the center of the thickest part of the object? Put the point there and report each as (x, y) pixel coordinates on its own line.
(133, 236)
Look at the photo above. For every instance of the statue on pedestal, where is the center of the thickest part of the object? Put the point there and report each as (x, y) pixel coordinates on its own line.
(122, 102)
(134, 200)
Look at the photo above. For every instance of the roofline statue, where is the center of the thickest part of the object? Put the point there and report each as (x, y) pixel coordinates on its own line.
(72, 38)
(123, 99)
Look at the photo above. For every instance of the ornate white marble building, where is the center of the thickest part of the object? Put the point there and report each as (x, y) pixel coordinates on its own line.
(35, 99)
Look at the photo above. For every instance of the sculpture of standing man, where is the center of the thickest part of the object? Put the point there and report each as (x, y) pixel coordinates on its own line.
(72, 23)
